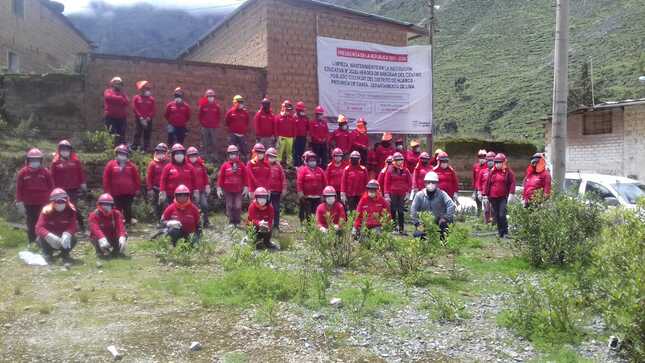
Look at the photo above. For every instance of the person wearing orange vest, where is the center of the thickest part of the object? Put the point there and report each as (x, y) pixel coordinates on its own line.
(202, 182)
(181, 218)
(260, 217)
(34, 183)
(107, 230)
(330, 210)
(310, 183)
(121, 180)
(353, 182)
(144, 112)
(232, 184)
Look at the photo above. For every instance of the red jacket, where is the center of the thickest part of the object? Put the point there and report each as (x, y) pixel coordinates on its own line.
(143, 106)
(237, 120)
(382, 153)
(482, 178)
(209, 114)
(311, 182)
(33, 186)
(342, 139)
(381, 176)
(201, 174)
(419, 174)
(233, 177)
(51, 221)
(258, 214)
(371, 210)
(476, 169)
(259, 174)
(500, 183)
(334, 174)
(285, 125)
(301, 126)
(277, 181)
(109, 225)
(177, 114)
(411, 160)
(354, 180)
(153, 174)
(398, 181)
(67, 174)
(448, 181)
(264, 124)
(360, 141)
(174, 175)
(318, 131)
(372, 162)
(115, 104)
(118, 181)
(336, 213)
(535, 181)
(188, 215)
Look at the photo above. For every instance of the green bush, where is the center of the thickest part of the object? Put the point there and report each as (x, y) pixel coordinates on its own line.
(11, 237)
(367, 299)
(557, 231)
(244, 256)
(25, 129)
(335, 249)
(97, 142)
(185, 253)
(444, 307)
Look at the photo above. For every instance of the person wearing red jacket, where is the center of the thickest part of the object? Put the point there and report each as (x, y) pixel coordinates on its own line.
(261, 216)
(481, 182)
(372, 162)
(68, 174)
(56, 226)
(277, 185)
(143, 105)
(371, 208)
(537, 178)
(412, 156)
(115, 109)
(477, 166)
(178, 115)
(237, 120)
(202, 182)
(285, 130)
(383, 171)
(448, 180)
(384, 149)
(177, 172)
(153, 177)
(264, 124)
(310, 183)
(499, 188)
(398, 184)
(181, 218)
(419, 172)
(353, 181)
(107, 230)
(331, 210)
(34, 183)
(258, 168)
(232, 184)
(341, 137)
(360, 139)
(334, 170)
(121, 179)
(300, 131)
(319, 135)
(209, 119)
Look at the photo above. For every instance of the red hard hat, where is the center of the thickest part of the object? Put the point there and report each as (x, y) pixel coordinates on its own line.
(500, 158)
(329, 191)
(337, 152)
(259, 148)
(232, 149)
(192, 151)
(58, 194)
(161, 147)
(261, 192)
(300, 106)
(443, 156)
(272, 152)
(178, 148)
(424, 155)
(182, 189)
(35, 153)
(64, 143)
(121, 149)
(355, 155)
(319, 110)
(397, 156)
(105, 199)
(490, 155)
(372, 184)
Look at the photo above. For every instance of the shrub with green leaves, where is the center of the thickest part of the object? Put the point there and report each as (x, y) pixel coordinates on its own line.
(97, 142)
(560, 230)
(444, 307)
(335, 248)
(184, 253)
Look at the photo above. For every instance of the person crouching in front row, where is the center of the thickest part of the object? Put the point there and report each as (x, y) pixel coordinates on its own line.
(261, 216)
(435, 201)
(330, 211)
(181, 218)
(107, 228)
(56, 226)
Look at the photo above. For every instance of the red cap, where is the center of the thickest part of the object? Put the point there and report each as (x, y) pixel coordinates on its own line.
(300, 106)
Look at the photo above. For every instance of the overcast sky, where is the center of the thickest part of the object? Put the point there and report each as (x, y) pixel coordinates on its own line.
(73, 6)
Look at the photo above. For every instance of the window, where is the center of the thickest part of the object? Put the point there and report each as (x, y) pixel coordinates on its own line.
(597, 123)
(13, 62)
(595, 190)
(572, 186)
(18, 7)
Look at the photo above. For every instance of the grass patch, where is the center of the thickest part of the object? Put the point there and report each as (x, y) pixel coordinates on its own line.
(509, 266)
(11, 237)
(561, 355)
(367, 299)
(445, 307)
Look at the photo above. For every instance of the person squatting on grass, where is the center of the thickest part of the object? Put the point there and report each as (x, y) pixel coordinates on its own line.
(260, 217)
(434, 200)
(330, 210)
(181, 218)
(57, 226)
(107, 230)
(371, 208)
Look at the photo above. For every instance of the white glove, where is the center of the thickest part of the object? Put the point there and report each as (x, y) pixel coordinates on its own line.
(479, 195)
(323, 229)
(511, 198)
(207, 190)
(474, 194)
(220, 193)
(53, 240)
(84, 187)
(387, 197)
(21, 208)
(123, 244)
(104, 244)
(173, 224)
(484, 199)
(66, 241)
(162, 197)
(196, 195)
(263, 224)
(245, 192)
(354, 231)
(343, 197)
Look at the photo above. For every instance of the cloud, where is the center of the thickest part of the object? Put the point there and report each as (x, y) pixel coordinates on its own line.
(196, 6)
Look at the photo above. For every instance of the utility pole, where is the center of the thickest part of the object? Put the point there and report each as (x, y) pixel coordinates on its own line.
(431, 26)
(560, 94)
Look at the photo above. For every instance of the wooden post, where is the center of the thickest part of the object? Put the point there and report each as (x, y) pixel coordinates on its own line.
(560, 94)
(430, 26)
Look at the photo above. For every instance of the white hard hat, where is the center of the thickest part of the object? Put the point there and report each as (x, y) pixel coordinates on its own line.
(431, 176)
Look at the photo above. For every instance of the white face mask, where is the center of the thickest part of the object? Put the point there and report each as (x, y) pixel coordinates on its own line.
(121, 158)
(272, 160)
(399, 147)
(443, 165)
(398, 163)
(338, 159)
(371, 194)
(106, 208)
(147, 93)
(260, 156)
(60, 206)
(431, 187)
(160, 156)
(211, 99)
(262, 201)
(193, 159)
(65, 154)
(178, 100)
(312, 163)
(232, 156)
(330, 200)
(499, 165)
(482, 161)
(343, 127)
(490, 164)
(301, 113)
(179, 158)
(34, 164)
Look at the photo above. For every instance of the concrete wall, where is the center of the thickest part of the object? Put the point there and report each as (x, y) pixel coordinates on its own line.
(42, 39)
(634, 149)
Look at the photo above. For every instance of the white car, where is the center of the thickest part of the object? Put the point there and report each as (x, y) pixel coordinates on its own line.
(613, 190)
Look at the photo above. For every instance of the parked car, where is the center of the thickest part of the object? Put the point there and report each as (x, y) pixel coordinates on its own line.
(612, 190)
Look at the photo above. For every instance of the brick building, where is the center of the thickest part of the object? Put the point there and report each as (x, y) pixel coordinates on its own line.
(608, 138)
(35, 37)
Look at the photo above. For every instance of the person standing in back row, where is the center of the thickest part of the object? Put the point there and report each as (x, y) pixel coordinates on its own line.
(360, 140)
(319, 135)
(144, 112)
(301, 128)
(285, 129)
(209, 119)
(341, 137)
(264, 124)
(237, 121)
(178, 115)
(499, 188)
(115, 110)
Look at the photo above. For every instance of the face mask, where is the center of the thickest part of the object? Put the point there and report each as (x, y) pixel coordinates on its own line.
(182, 199)
(443, 165)
(355, 161)
(65, 153)
(302, 114)
(178, 100)
(415, 149)
(343, 127)
(262, 201)
(116, 87)
(499, 165)
(106, 208)
(160, 156)
(121, 158)
(338, 159)
(60, 206)
(240, 105)
(431, 187)
(398, 163)
(179, 158)
(330, 200)
(34, 164)
(260, 156)
(193, 159)
(272, 160)
(371, 194)
(147, 93)
(482, 161)
(399, 147)
(534, 162)
(211, 99)
(232, 156)
(490, 164)
(312, 163)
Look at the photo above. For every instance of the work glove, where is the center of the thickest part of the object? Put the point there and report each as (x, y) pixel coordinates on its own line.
(162, 197)
(264, 225)
(220, 193)
(123, 244)
(196, 196)
(511, 198)
(104, 245)
(173, 224)
(323, 229)
(301, 195)
(66, 241)
(207, 190)
(151, 194)
(53, 240)
(343, 197)
(84, 187)
(387, 197)
(20, 206)
(485, 199)
(245, 192)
